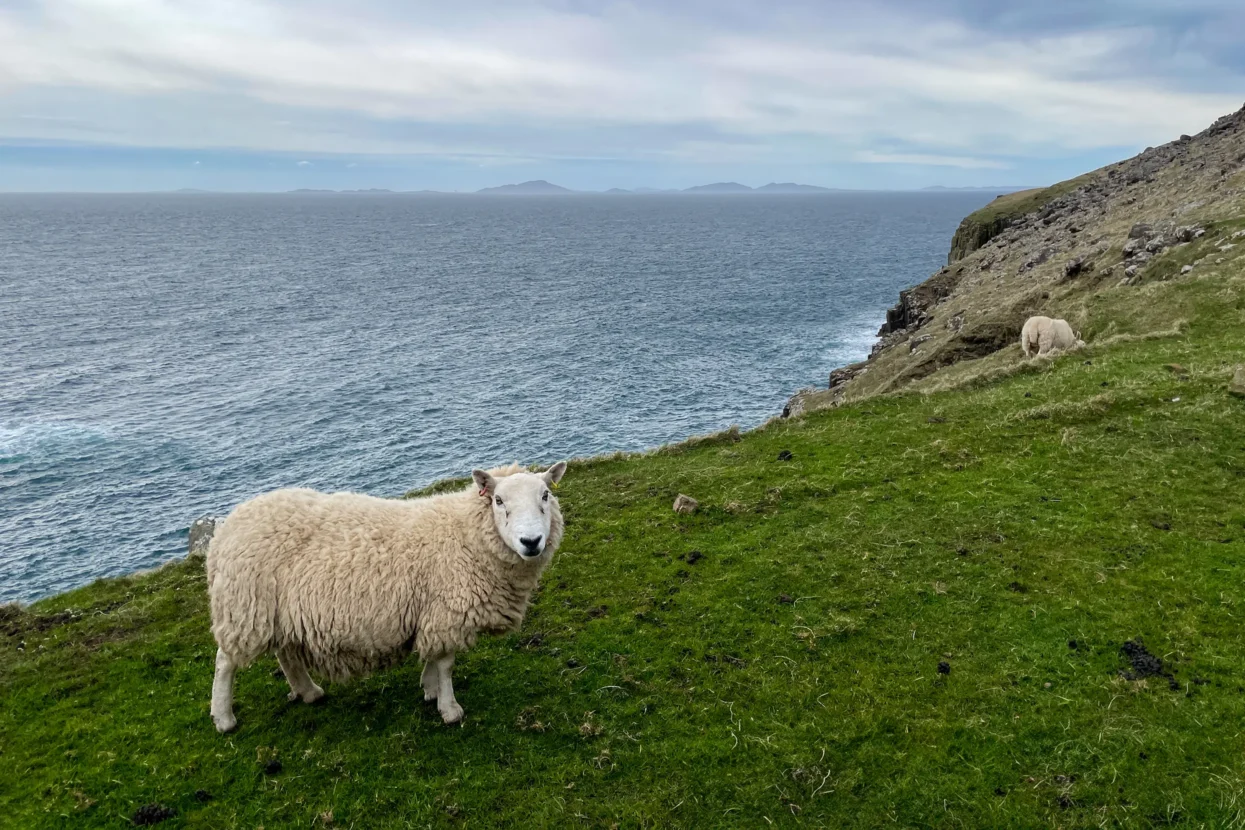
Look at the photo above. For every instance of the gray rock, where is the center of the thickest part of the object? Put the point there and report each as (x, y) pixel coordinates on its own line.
(685, 504)
(1237, 386)
(1142, 230)
(201, 531)
(1186, 269)
(843, 374)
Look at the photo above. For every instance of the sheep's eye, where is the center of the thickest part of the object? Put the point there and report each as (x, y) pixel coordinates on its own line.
(545, 497)
(498, 500)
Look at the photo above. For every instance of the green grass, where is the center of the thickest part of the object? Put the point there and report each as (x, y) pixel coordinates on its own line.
(787, 676)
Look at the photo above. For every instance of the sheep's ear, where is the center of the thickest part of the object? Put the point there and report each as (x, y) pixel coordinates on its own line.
(554, 474)
(484, 481)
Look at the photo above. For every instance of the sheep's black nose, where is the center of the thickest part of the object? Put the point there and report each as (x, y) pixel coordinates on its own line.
(532, 543)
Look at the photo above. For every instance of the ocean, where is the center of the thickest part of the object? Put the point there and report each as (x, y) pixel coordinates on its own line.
(165, 356)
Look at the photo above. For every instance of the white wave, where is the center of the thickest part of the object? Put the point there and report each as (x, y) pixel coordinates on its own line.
(42, 437)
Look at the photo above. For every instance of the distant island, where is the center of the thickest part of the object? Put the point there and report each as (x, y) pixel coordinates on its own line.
(540, 187)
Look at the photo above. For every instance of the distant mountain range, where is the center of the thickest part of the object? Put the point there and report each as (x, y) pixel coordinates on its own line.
(540, 187)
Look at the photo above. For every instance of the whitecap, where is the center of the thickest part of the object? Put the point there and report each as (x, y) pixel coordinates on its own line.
(47, 438)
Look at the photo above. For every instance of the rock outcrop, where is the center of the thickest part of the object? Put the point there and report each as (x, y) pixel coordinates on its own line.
(201, 531)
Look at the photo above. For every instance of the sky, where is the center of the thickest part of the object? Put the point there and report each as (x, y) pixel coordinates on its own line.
(123, 95)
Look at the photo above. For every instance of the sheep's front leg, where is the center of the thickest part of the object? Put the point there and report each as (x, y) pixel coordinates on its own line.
(222, 693)
(450, 711)
(430, 680)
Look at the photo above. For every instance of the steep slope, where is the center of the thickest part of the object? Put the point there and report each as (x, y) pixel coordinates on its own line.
(1107, 251)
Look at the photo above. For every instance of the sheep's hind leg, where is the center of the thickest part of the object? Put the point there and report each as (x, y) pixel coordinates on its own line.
(222, 693)
(450, 711)
(301, 684)
(430, 680)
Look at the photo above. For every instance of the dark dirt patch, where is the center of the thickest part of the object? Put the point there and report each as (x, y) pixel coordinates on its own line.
(202, 796)
(1073, 644)
(693, 557)
(534, 640)
(599, 611)
(150, 814)
(944, 667)
(785, 599)
(1017, 587)
(785, 455)
(1144, 664)
(272, 767)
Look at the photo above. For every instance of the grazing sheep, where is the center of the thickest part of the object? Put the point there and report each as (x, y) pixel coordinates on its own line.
(344, 584)
(1042, 335)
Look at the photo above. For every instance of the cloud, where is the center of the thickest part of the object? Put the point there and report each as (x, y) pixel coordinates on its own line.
(951, 83)
(304, 163)
(194, 164)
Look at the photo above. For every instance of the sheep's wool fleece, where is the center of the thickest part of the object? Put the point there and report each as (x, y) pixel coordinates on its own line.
(1042, 335)
(352, 583)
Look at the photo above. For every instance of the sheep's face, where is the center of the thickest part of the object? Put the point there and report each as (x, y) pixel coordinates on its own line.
(523, 505)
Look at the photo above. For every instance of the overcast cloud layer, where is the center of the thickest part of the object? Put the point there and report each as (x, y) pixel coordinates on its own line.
(250, 94)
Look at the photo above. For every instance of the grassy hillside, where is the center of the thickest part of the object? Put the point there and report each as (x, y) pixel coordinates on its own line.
(1106, 251)
(772, 659)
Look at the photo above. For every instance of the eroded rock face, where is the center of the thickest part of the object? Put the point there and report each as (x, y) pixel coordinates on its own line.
(201, 531)
(915, 303)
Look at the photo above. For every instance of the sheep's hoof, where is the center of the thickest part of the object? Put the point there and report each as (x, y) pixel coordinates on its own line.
(307, 697)
(451, 713)
(225, 724)
(429, 695)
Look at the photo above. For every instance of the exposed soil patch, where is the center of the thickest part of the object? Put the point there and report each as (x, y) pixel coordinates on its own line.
(785, 455)
(150, 814)
(693, 557)
(1144, 664)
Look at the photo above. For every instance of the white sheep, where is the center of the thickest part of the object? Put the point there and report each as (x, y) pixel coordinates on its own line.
(1042, 335)
(344, 584)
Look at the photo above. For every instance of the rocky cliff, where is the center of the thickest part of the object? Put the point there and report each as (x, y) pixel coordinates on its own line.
(1104, 251)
